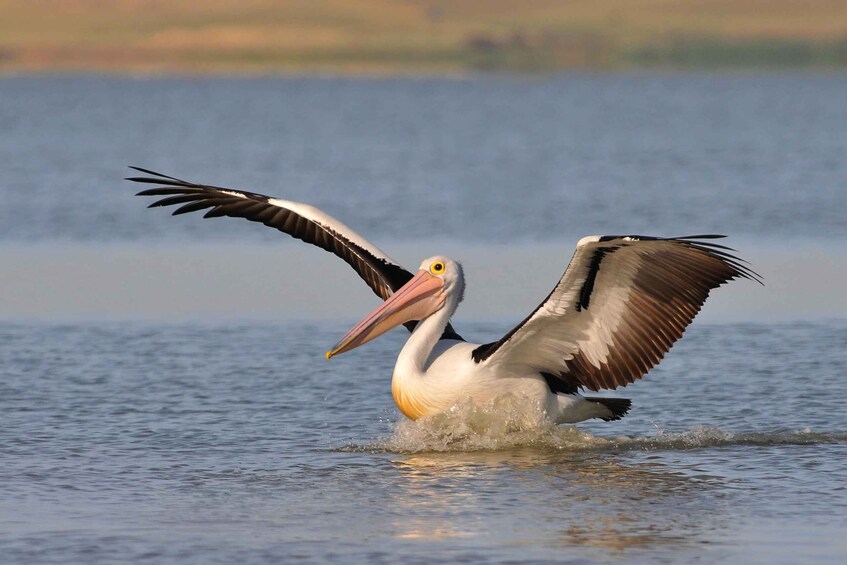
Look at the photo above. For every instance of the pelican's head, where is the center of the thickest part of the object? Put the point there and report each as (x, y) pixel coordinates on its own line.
(451, 274)
(440, 282)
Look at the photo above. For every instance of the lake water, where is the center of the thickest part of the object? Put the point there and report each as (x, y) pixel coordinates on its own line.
(164, 395)
(497, 160)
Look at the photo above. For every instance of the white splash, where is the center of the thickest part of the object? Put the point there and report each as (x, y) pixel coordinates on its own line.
(508, 425)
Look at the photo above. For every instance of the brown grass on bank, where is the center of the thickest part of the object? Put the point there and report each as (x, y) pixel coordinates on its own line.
(415, 35)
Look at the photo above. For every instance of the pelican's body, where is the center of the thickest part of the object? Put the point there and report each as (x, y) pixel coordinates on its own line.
(432, 374)
(620, 305)
(451, 377)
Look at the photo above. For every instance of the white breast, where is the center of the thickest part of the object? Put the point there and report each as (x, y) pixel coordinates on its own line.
(452, 377)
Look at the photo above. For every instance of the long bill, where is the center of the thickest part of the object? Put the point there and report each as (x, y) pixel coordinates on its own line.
(417, 299)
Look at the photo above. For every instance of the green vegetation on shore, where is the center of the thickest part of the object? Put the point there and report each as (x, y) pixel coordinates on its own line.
(432, 36)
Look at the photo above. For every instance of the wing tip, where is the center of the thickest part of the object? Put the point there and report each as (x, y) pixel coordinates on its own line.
(149, 172)
(697, 241)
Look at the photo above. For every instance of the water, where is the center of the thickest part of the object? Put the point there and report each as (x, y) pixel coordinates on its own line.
(217, 443)
(480, 159)
(164, 394)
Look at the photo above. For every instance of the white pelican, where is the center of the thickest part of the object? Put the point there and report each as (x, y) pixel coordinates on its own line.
(620, 305)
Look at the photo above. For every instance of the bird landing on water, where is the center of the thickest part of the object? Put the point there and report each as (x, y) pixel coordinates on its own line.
(620, 305)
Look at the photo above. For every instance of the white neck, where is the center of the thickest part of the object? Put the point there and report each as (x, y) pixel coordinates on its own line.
(414, 357)
(409, 385)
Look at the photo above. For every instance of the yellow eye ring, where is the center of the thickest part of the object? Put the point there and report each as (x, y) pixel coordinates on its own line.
(437, 268)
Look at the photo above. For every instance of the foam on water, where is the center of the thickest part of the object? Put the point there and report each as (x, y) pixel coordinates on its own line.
(506, 426)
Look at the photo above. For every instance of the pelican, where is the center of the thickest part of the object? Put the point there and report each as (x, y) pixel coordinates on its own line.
(620, 305)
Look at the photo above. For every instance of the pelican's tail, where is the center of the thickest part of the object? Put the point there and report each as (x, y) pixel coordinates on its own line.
(617, 407)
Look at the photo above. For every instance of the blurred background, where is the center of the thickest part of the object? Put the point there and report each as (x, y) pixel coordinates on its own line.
(414, 36)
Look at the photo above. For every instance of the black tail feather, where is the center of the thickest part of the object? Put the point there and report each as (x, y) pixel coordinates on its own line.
(617, 406)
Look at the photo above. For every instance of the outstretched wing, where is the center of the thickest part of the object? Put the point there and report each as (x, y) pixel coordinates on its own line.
(382, 274)
(619, 307)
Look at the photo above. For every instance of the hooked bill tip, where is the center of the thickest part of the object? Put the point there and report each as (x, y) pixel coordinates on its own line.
(328, 355)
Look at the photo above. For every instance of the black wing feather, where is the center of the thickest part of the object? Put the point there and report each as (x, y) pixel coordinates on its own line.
(381, 274)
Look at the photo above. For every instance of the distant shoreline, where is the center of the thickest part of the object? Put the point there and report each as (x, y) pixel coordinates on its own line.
(417, 37)
(407, 74)
(695, 55)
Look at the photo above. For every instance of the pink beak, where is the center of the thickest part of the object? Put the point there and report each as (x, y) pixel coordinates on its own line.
(417, 299)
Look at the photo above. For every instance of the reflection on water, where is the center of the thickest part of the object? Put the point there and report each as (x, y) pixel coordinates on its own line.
(465, 474)
(591, 500)
(618, 505)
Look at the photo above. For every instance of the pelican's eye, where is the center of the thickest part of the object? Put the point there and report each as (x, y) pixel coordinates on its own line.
(437, 268)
